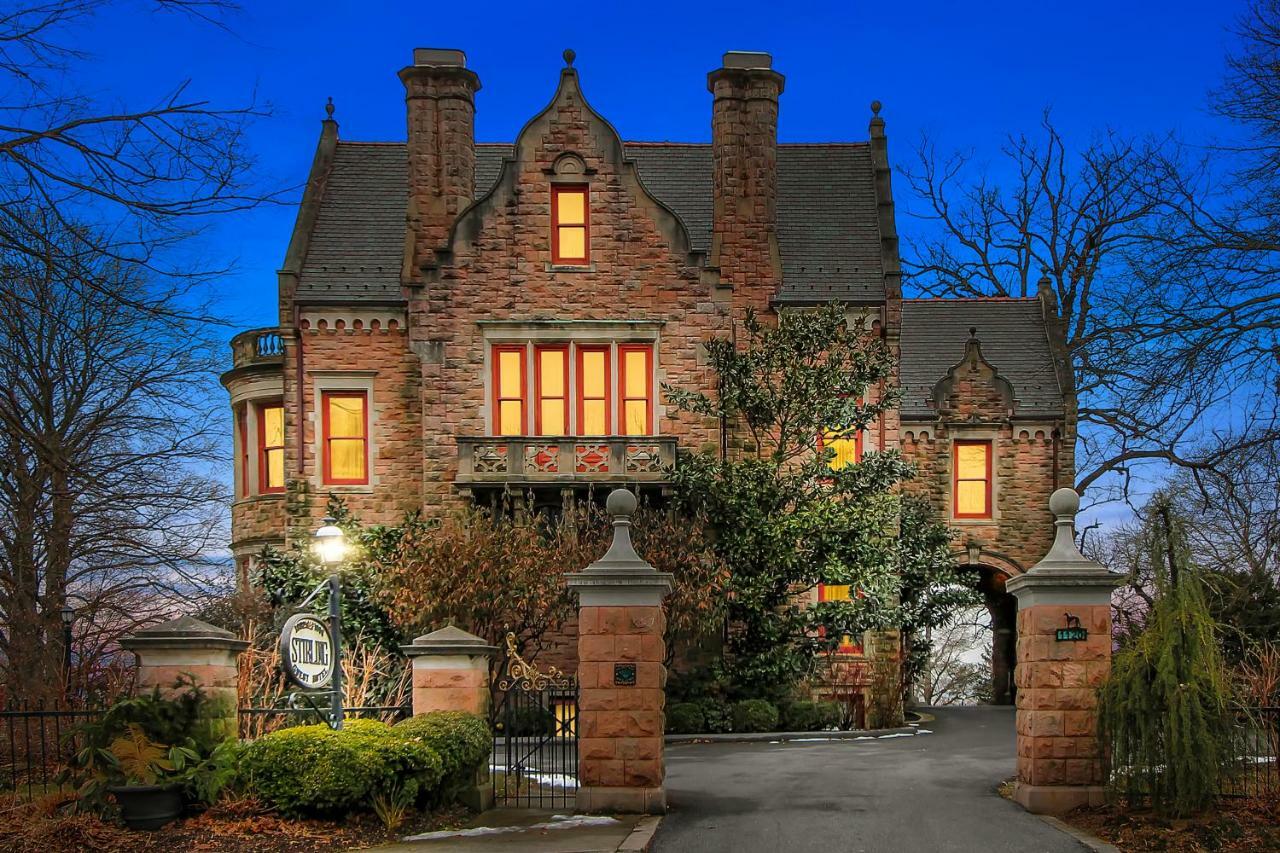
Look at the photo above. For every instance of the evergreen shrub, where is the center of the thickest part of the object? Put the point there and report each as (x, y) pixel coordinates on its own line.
(461, 740)
(686, 718)
(717, 715)
(800, 716)
(755, 715)
(829, 715)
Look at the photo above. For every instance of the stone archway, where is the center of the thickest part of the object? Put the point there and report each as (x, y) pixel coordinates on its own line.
(1003, 610)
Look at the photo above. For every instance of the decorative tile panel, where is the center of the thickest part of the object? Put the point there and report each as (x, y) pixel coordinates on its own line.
(489, 458)
(541, 458)
(591, 458)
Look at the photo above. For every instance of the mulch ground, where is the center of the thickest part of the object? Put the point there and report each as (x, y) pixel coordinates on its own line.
(237, 827)
(1236, 827)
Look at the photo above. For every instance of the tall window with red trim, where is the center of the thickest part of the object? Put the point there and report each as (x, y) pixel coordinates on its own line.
(847, 448)
(508, 390)
(270, 448)
(593, 390)
(971, 479)
(840, 592)
(242, 432)
(345, 422)
(570, 230)
(551, 386)
(635, 385)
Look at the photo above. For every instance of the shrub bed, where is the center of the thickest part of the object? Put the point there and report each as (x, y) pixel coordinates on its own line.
(686, 718)
(461, 740)
(755, 715)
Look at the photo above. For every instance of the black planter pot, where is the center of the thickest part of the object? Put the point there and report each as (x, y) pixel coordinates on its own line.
(148, 806)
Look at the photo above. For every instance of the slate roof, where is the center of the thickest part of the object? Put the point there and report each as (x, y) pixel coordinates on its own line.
(828, 231)
(1014, 341)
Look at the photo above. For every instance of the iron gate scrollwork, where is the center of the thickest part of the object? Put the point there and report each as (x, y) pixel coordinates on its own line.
(535, 735)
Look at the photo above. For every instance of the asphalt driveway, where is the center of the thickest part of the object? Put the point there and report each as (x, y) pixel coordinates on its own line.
(930, 792)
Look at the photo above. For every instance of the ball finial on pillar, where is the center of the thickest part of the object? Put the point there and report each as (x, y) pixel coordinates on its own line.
(1064, 503)
(621, 502)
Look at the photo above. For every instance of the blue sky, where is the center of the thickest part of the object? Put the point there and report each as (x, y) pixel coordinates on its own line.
(965, 73)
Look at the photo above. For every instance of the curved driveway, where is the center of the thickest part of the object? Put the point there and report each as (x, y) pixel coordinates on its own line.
(929, 792)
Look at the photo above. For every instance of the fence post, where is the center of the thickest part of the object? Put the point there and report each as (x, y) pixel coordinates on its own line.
(1064, 655)
(186, 646)
(621, 674)
(451, 673)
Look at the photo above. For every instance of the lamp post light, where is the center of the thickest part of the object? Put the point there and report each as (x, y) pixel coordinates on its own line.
(331, 548)
(68, 617)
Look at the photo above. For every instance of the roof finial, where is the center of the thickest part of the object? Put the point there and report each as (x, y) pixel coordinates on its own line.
(328, 109)
(569, 56)
(973, 333)
(875, 108)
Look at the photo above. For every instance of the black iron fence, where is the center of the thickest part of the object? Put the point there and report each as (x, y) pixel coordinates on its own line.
(1253, 771)
(36, 742)
(534, 763)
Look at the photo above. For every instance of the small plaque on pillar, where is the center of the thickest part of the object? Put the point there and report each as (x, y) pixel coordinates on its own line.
(1073, 632)
(624, 675)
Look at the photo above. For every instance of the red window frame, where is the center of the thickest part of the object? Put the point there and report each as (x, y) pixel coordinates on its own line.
(858, 446)
(623, 399)
(849, 648)
(265, 449)
(582, 391)
(497, 387)
(562, 189)
(539, 397)
(325, 397)
(955, 477)
(242, 427)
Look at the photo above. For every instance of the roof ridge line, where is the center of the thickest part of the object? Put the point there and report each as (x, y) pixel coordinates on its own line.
(971, 299)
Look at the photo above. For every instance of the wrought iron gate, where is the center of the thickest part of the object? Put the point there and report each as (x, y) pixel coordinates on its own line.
(535, 737)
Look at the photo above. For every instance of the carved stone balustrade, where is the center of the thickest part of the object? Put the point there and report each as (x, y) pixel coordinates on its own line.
(531, 460)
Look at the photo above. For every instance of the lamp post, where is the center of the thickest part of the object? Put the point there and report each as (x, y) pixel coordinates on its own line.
(331, 548)
(68, 616)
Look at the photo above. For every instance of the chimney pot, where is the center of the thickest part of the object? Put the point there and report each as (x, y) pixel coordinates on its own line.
(747, 59)
(439, 56)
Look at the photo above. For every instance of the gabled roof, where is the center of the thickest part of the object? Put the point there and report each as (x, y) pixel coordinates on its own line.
(1014, 341)
(828, 232)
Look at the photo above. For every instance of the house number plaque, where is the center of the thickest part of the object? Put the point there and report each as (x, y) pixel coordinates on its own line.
(1073, 632)
(624, 675)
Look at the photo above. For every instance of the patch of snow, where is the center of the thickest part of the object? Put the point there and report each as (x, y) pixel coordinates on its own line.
(550, 780)
(557, 822)
(896, 734)
(924, 731)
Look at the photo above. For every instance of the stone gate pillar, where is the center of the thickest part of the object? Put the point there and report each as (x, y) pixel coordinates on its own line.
(621, 675)
(187, 647)
(1064, 655)
(450, 671)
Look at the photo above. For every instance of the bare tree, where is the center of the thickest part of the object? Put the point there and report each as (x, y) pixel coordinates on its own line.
(148, 176)
(951, 676)
(104, 427)
(1170, 346)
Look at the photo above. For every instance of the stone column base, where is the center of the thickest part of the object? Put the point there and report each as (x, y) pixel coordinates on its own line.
(598, 799)
(1057, 799)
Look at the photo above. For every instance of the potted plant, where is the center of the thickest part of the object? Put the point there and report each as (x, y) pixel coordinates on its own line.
(146, 778)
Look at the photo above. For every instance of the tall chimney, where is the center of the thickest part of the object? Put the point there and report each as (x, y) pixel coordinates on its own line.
(440, 101)
(744, 150)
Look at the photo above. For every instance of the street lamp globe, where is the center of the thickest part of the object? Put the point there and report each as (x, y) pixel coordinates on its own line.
(68, 614)
(330, 545)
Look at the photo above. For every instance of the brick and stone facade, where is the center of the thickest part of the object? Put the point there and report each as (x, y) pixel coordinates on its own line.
(412, 263)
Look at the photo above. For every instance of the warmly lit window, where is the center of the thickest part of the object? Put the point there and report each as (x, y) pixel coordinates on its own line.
(635, 379)
(839, 592)
(242, 433)
(271, 448)
(508, 390)
(972, 483)
(569, 230)
(847, 448)
(552, 413)
(346, 437)
(593, 390)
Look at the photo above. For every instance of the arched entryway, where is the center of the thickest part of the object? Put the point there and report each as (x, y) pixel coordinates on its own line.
(1002, 609)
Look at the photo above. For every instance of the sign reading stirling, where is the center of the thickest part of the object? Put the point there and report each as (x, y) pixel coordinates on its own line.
(1073, 631)
(306, 651)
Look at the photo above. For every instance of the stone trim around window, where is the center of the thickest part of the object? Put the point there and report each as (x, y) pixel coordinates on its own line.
(338, 380)
(987, 434)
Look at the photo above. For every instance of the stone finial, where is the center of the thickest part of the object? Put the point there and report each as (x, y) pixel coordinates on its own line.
(875, 108)
(1065, 574)
(328, 109)
(876, 128)
(569, 56)
(621, 570)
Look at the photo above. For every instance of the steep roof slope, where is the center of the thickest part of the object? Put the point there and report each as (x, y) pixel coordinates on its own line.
(1014, 341)
(828, 231)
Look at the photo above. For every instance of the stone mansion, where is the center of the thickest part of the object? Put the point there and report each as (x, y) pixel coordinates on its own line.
(458, 318)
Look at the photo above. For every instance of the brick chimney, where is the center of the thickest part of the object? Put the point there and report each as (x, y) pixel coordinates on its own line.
(744, 146)
(440, 102)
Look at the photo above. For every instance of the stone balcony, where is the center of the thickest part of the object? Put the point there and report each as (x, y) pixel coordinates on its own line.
(257, 347)
(568, 461)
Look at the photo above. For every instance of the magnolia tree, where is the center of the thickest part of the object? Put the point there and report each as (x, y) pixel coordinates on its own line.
(786, 518)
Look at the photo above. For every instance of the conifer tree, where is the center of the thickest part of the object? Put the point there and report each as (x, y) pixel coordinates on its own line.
(1165, 712)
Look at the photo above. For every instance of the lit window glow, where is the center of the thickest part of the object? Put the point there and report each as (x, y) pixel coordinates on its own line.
(569, 229)
(345, 437)
(271, 443)
(972, 484)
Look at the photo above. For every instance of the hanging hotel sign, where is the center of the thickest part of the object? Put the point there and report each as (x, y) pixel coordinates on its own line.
(306, 651)
(1073, 632)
